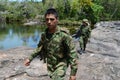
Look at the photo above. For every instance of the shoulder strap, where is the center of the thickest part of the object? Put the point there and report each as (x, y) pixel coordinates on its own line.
(65, 30)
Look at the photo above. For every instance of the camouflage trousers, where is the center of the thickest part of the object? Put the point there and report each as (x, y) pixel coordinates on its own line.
(58, 73)
(83, 41)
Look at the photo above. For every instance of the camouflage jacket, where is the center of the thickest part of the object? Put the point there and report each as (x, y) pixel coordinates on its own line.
(59, 48)
(85, 31)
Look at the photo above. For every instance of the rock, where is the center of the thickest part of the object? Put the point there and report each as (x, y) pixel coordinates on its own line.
(101, 61)
(12, 67)
(39, 71)
(30, 23)
(33, 22)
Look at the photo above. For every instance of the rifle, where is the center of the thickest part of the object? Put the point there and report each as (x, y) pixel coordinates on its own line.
(42, 54)
(77, 34)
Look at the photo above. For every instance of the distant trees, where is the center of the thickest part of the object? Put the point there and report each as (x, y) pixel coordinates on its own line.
(75, 10)
(111, 9)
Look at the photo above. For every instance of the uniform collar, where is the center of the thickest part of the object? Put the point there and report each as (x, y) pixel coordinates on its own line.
(57, 30)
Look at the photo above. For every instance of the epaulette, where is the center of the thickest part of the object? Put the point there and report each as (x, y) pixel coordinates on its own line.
(65, 30)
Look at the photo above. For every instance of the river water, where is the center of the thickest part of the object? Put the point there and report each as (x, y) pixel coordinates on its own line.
(15, 35)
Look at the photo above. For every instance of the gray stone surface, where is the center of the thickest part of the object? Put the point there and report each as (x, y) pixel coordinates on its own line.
(100, 62)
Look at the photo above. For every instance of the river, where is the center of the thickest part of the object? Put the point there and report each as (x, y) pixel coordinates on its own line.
(15, 35)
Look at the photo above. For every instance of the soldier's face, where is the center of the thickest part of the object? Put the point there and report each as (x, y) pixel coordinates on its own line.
(84, 23)
(51, 21)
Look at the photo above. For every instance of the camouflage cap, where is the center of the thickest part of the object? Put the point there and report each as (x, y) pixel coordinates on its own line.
(85, 20)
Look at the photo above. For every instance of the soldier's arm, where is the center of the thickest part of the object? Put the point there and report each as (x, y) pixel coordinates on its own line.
(35, 53)
(38, 49)
(28, 60)
(89, 31)
(72, 55)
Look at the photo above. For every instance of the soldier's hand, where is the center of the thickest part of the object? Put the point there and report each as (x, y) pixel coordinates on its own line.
(27, 62)
(89, 40)
(72, 78)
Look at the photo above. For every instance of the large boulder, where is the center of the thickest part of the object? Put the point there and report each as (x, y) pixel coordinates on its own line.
(100, 62)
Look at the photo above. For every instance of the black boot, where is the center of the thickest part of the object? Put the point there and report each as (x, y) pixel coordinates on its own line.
(80, 51)
(84, 50)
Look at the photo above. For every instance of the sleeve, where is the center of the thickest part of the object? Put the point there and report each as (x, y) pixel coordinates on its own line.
(89, 31)
(35, 53)
(71, 54)
(37, 50)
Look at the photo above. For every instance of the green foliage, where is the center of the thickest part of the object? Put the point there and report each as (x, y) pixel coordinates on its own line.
(69, 22)
(60, 8)
(97, 9)
(20, 11)
(75, 10)
(111, 9)
(2, 7)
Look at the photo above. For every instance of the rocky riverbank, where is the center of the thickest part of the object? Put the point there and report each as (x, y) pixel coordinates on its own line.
(100, 62)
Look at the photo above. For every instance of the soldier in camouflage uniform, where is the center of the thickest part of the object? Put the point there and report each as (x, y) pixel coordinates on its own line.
(56, 48)
(85, 31)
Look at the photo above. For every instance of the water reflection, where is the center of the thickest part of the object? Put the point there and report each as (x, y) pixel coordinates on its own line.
(14, 35)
